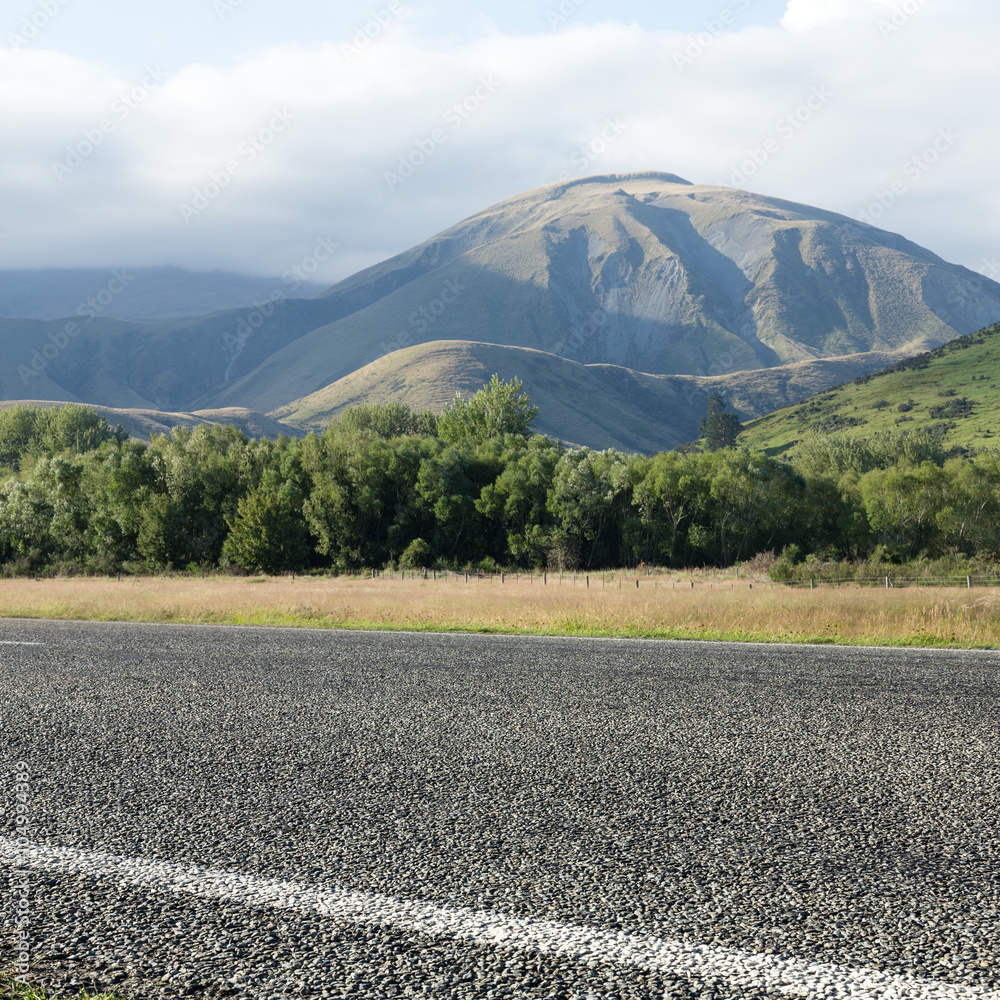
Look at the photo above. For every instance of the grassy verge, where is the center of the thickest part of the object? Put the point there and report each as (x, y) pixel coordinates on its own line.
(663, 607)
(11, 989)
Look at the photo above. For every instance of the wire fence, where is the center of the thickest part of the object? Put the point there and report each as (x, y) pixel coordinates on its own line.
(657, 579)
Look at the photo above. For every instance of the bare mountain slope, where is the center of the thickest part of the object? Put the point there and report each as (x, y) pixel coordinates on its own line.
(644, 271)
(641, 272)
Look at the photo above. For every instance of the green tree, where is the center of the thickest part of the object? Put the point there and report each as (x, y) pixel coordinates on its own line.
(516, 502)
(592, 500)
(385, 420)
(362, 503)
(903, 504)
(448, 486)
(670, 497)
(969, 517)
(268, 533)
(498, 409)
(118, 481)
(719, 429)
(755, 503)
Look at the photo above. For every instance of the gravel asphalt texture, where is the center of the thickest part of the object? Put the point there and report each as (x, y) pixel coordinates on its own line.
(833, 804)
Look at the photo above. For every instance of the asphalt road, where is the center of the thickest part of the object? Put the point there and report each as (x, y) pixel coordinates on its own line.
(269, 813)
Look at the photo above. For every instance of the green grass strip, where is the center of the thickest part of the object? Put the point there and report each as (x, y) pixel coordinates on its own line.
(571, 628)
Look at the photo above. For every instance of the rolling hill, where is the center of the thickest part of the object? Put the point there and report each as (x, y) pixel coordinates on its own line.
(952, 392)
(637, 411)
(645, 275)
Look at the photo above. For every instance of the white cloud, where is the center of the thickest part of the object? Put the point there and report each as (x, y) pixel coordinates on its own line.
(347, 123)
(805, 14)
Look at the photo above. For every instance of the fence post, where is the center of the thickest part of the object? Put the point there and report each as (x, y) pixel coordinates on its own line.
(636, 584)
(545, 579)
(588, 583)
(812, 584)
(968, 582)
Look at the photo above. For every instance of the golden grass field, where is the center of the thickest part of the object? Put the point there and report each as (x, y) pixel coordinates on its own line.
(661, 607)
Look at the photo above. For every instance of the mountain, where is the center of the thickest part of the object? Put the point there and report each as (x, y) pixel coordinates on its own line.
(647, 272)
(595, 287)
(952, 392)
(135, 293)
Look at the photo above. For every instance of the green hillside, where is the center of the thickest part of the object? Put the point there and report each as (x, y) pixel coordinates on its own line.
(952, 392)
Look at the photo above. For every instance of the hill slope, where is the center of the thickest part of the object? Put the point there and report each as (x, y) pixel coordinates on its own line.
(601, 406)
(953, 392)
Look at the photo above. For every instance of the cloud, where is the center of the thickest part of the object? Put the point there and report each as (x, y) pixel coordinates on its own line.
(381, 148)
(803, 15)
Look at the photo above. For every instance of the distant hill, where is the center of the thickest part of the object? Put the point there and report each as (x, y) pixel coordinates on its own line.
(147, 292)
(143, 424)
(645, 274)
(953, 392)
(604, 406)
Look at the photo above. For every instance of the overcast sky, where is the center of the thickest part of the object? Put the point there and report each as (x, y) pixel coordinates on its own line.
(234, 134)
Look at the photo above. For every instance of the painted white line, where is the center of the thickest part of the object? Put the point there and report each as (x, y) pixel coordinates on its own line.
(12, 642)
(793, 977)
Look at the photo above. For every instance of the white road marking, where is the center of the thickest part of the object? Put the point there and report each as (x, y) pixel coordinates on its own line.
(794, 977)
(13, 642)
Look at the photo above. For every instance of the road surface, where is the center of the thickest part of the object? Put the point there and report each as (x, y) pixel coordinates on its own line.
(284, 813)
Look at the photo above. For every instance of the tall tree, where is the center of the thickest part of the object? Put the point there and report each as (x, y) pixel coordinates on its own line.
(719, 429)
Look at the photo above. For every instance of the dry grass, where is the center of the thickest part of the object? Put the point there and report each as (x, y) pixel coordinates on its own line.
(664, 608)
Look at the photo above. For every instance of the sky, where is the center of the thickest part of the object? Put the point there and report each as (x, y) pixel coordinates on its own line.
(328, 135)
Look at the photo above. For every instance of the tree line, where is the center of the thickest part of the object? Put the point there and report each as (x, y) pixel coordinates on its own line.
(472, 487)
